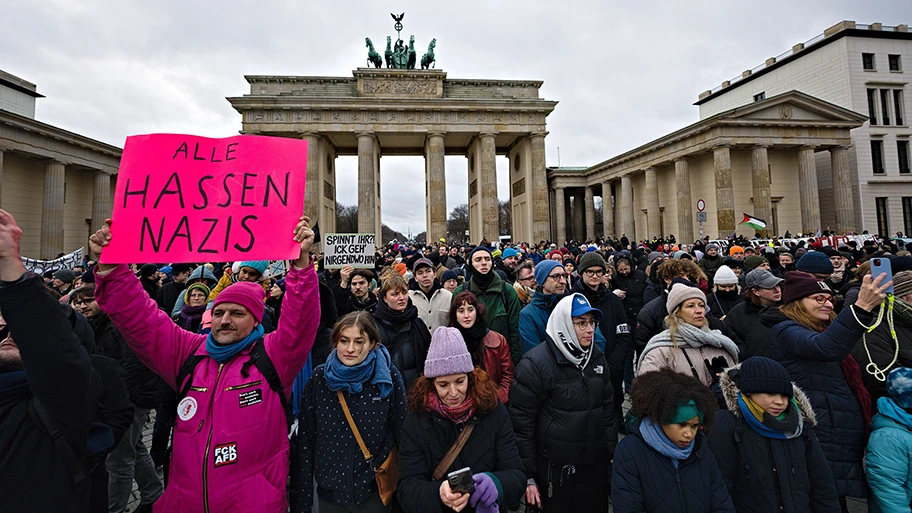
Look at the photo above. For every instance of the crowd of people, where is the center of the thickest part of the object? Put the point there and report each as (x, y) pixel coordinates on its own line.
(761, 377)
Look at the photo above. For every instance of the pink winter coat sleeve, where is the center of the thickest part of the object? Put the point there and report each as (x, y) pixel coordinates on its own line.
(290, 344)
(159, 343)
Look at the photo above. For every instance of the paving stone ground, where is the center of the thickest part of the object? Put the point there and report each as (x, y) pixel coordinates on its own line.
(854, 505)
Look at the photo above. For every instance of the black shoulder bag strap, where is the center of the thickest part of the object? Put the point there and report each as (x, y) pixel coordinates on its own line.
(42, 417)
(260, 359)
(692, 369)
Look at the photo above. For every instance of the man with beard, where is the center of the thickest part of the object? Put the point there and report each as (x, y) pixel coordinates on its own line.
(501, 304)
(725, 294)
(41, 361)
(743, 321)
(508, 261)
(353, 292)
(130, 459)
(429, 296)
(711, 261)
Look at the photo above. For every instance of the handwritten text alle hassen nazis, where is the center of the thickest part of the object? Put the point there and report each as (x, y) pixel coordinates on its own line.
(206, 192)
(350, 249)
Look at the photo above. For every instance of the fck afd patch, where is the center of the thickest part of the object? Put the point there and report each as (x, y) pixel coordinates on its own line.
(250, 398)
(225, 454)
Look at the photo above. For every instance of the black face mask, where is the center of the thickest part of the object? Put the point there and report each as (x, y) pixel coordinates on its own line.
(727, 294)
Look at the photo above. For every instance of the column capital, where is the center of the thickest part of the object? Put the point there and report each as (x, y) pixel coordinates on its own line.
(487, 134)
(759, 146)
(722, 147)
(811, 147)
(436, 134)
(680, 159)
(539, 134)
(303, 134)
(58, 162)
(365, 134)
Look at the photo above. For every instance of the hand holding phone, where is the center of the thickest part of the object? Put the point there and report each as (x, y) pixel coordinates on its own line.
(882, 266)
(461, 481)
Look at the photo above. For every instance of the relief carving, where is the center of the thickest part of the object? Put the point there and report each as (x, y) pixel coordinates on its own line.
(355, 117)
(406, 87)
(299, 116)
(514, 118)
(259, 116)
(318, 116)
(337, 116)
(278, 116)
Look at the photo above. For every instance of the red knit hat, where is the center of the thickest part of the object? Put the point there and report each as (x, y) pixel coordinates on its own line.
(799, 285)
(244, 293)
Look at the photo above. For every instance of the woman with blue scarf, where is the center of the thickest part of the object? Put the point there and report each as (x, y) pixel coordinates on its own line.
(665, 464)
(765, 445)
(358, 371)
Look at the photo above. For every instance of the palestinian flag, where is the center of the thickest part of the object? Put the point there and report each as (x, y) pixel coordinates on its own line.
(753, 222)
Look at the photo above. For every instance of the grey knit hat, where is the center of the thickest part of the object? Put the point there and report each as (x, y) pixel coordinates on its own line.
(902, 284)
(725, 276)
(591, 259)
(680, 293)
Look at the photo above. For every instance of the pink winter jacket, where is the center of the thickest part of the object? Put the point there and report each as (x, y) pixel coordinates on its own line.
(230, 441)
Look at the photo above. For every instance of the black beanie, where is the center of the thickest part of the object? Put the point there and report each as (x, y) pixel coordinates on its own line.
(762, 375)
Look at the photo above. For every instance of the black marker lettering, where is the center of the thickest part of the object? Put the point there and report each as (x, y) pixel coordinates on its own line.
(201, 248)
(245, 188)
(203, 193)
(141, 192)
(270, 183)
(180, 196)
(247, 229)
(185, 234)
(142, 235)
(227, 191)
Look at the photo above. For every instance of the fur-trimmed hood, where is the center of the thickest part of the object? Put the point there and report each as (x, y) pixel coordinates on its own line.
(730, 393)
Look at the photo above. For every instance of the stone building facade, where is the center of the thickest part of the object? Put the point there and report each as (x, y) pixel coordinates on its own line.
(759, 159)
(58, 185)
(864, 68)
(412, 112)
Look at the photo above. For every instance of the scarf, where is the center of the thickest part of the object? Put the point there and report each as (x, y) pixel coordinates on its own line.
(13, 382)
(563, 335)
(222, 354)
(417, 330)
(788, 424)
(376, 368)
(657, 439)
(692, 336)
(474, 338)
(852, 373)
(369, 302)
(483, 281)
(458, 414)
(190, 315)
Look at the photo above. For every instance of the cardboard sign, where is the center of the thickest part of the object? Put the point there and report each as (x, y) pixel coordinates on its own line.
(184, 198)
(354, 249)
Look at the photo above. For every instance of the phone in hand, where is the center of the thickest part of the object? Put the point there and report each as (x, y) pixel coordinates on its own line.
(882, 266)
(461, 481)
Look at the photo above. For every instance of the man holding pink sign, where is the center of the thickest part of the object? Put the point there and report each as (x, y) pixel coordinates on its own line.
(230, 443)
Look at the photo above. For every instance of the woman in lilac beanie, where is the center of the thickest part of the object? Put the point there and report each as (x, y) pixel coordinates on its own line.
(454, 402)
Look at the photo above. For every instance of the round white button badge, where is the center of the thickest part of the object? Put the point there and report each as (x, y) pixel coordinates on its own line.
(187, 408)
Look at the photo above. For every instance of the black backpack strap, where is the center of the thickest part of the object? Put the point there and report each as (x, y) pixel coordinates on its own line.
(264, 364)
(42, 417)
(184, 374)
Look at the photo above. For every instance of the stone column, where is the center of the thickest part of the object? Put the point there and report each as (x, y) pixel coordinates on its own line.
(843, 194)
(52, 210)
(763, 206)
(625, 209)
(539, 189)
(725, 195)
(1, 176)
(435, 180)
(487, 181)
(101, 200)
(607, 211)
(653, 216)
(808, 191)
(367, 193)
(312, 207)
(579, 221)
(560, 216)
(589, 202)
(685, 207)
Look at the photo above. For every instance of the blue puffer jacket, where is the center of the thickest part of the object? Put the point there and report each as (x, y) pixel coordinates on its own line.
(812, 360)
(533, 319)
(645, 481)
(888, 459)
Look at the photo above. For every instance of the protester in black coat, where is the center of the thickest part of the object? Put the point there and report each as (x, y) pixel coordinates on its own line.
(401, 330)
(562, 406)
(434, 424)
(767, 468)
(40, 344)
(665, 464)
(632, 282)
(879, 347)
(169, 292)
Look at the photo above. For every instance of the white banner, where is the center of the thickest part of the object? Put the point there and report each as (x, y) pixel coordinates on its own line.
(68, 261)
(354, 249)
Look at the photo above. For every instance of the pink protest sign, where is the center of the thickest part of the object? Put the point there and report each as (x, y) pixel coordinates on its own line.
(184, 198)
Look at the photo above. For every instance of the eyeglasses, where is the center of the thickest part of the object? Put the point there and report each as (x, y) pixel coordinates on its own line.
(558, 276)
(594, 272)
(581, 325)
(526, 279)
(79, 302)
(823, 299)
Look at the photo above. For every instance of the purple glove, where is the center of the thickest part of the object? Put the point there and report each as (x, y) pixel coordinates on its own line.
(484, 499)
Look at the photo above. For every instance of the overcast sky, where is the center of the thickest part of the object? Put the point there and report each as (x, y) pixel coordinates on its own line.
(625, 73)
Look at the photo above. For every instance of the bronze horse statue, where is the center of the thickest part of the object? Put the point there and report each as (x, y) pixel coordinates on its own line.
(372, 56)
(428, 60)
(411, 53)
(388, 54)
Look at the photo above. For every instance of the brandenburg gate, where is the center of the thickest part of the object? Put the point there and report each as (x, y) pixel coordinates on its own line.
(401, 111)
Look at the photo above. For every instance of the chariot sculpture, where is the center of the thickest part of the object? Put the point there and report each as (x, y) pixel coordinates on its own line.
(398, 55)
